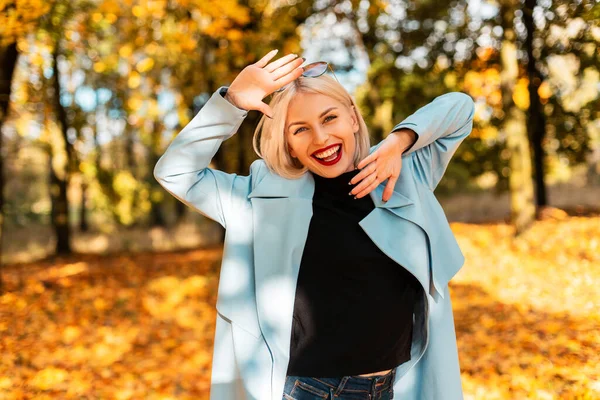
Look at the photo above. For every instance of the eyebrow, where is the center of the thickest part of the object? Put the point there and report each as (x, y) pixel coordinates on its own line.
(302, 122)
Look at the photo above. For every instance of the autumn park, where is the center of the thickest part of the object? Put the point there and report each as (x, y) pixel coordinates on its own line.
(108, 284)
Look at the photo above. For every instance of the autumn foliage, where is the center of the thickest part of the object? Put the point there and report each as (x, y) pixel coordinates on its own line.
(141, 326)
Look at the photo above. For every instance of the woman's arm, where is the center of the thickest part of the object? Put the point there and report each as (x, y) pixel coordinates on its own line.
(440, 127)
(183, 169)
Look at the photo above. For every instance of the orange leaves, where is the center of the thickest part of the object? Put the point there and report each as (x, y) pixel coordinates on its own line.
(49, 378)
(126, 327)
(484, 83)
(123, 328)
(526, 310)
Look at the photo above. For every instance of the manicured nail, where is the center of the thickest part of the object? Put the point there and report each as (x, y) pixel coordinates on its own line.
(350, 194)
(349, 183)
(355, 197)
(303, 59)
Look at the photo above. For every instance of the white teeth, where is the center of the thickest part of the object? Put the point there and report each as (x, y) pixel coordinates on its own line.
(328, 152)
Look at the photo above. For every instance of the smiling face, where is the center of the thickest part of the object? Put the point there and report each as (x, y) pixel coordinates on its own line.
(320, 134)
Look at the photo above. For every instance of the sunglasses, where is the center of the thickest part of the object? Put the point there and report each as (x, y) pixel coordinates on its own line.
(313, 70)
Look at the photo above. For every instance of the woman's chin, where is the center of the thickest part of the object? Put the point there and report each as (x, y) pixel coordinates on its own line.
(331, 171)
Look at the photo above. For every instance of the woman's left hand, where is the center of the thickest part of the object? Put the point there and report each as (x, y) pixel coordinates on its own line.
(384, 163)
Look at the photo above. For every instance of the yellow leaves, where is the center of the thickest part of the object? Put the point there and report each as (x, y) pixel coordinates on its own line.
(134, 82)
(20, 17)
(49, 378)
(526, 310)
(521, 94)
(109, 7)
(141, 326)
(70, 334)
(234, 34)
(168, 300)
(99, 67)
(145, 65)
(544, 91)
(5, 382)
(126, 50)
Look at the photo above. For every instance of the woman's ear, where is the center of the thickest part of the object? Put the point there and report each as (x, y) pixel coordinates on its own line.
(353, 115)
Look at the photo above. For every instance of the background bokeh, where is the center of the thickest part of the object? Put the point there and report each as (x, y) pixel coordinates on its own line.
(108, 283)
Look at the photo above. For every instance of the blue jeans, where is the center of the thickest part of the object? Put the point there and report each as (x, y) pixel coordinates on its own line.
(354, 387)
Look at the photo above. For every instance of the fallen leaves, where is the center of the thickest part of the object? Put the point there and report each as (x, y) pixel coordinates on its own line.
(123, 327)
(527, 315)
(527, 310)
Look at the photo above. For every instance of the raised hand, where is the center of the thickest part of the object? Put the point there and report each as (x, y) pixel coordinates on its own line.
(258, 80)
(384, 163)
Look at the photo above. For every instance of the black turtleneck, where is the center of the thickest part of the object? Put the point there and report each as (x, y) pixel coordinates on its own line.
(353, 311)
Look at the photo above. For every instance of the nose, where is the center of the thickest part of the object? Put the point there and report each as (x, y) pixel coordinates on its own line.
(320, 136)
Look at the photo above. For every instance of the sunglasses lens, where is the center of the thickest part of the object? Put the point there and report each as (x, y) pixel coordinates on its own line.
(315, 69)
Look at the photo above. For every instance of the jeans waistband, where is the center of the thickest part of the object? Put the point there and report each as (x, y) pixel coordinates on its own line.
(357, 383)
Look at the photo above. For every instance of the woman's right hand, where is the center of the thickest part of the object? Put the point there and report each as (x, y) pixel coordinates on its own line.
(258, 80)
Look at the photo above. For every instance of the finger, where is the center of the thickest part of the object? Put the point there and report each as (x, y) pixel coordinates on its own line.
(367, 159)
(389, 188)
(263, 61)
(368, 189)
(278, 63)
(265, 109)
(364, 183)
(286, 69)
(364, 173)
(295, 74)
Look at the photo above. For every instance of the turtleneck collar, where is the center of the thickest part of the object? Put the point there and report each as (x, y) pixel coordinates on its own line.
(337, 186)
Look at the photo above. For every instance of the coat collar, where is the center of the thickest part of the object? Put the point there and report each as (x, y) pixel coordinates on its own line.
(275, 186)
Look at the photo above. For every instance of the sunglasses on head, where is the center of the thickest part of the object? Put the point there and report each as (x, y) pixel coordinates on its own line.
(313, 70)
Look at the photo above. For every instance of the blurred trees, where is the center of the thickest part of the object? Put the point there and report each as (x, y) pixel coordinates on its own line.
(103, 87)
(419, 50)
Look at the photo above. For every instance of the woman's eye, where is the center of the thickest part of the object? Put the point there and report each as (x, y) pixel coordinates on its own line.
(326, 120)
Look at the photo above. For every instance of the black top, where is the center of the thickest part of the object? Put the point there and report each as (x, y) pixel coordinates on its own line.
(353, 311)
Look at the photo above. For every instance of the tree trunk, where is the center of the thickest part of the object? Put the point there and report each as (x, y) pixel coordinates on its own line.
(515, 128)
(157, 218)
(60, 210)
(537, 119)
(8, 61)
(58, 186)
(83, 221)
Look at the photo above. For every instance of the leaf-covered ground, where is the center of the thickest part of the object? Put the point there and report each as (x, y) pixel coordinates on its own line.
(527, 316)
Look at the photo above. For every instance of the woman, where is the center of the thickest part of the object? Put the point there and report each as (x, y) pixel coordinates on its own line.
(324, 295)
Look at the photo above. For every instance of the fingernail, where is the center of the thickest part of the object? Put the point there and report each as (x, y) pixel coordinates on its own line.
(349, 183)
(350, 194)
(303, 59)
(354, 197)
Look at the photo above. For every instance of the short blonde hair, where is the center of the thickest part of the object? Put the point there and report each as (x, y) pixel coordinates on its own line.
(270, 142)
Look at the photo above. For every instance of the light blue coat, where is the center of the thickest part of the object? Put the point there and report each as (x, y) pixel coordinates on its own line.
(266, 218)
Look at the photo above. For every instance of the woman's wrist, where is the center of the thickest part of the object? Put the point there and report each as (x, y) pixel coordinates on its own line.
(405, 138)
(230, 97)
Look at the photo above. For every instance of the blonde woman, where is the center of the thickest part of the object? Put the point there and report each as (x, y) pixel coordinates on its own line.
(337, 255)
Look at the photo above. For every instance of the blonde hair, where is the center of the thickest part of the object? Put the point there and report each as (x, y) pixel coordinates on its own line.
(270, 142)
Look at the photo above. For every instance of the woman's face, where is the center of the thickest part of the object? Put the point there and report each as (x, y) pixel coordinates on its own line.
(320, 134)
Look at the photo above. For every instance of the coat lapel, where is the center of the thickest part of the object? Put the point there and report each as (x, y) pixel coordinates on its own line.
(282, 210)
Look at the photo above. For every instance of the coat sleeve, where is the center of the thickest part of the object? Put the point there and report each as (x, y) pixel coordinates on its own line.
(183, 169)
(441, 126)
